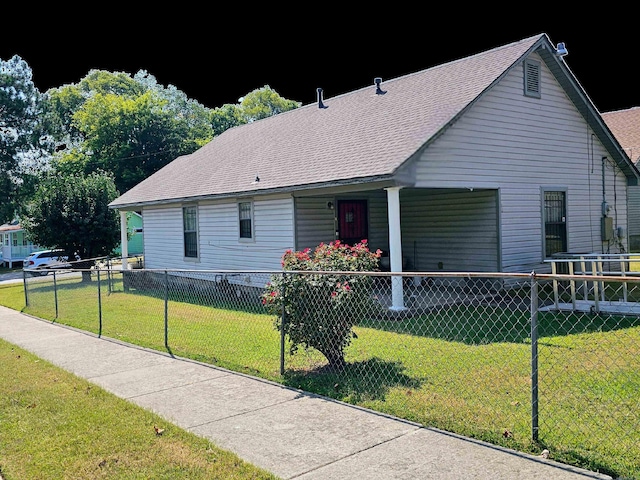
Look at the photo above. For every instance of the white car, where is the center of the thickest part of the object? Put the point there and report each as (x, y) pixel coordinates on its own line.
(40, 263)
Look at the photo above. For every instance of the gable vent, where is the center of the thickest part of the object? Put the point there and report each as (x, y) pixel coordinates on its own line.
(532, 78)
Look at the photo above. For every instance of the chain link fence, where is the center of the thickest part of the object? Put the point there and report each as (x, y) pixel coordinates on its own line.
(524, 361)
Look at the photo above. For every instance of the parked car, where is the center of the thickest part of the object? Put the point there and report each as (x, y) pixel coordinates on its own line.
(41, 263)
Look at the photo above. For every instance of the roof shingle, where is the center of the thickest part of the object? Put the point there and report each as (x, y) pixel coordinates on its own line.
(359, 135)
(625, 126)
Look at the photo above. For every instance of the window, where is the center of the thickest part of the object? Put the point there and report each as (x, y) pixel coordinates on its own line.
(555, 222)
(246, 220)
(190, 226)
(532, 78)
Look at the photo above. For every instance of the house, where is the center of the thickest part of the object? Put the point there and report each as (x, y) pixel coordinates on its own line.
(16, 246)
(625, 126)
(135, 244)
(490, 163)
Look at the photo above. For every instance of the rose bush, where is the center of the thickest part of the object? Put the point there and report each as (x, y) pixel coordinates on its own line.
(318, 310)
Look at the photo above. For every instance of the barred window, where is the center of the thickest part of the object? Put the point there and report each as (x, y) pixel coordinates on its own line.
(190, 227)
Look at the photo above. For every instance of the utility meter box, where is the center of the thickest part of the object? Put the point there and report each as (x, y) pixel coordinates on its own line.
(607, 229)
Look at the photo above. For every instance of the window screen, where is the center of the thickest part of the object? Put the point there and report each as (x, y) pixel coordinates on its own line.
(190, 225)
(245, 220)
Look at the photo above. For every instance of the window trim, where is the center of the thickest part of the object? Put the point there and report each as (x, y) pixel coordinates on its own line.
(543, 192)
(251, 220)
(185, 257)
(529, 68)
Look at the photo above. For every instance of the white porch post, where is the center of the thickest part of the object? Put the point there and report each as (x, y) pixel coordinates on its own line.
(11, 250)
(123, 239)
(395, 247)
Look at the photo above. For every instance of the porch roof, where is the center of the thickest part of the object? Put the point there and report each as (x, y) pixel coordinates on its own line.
(10, 227)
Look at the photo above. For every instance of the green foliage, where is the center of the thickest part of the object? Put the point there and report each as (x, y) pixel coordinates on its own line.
(264, 102)
(57, 425)
(72, 212)
(258, 104)
(23, 143)
(129, 126)
(319, 310)
(226, 117)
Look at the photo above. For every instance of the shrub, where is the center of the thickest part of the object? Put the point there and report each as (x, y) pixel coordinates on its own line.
(321, 308)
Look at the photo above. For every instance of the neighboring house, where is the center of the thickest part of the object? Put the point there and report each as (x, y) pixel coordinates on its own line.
(490, 163)
(625, 125)
(135, 243)
(15, 244)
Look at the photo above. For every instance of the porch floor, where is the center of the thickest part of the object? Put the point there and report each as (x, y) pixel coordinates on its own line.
(422, 299)
(618, 307)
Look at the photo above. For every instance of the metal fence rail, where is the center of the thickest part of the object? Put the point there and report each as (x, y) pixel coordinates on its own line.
(512, 359)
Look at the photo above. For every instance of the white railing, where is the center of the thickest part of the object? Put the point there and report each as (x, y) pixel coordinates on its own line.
(594, 265)
(12, 254)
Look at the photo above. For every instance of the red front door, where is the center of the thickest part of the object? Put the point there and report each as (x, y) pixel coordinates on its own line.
(352, 221)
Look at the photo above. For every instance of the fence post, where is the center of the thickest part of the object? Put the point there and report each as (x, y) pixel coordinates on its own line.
(284, 319)
(534, 357)
(99, 307)
(109, 277)
(55, 291)
(24, 282)
(166, 309)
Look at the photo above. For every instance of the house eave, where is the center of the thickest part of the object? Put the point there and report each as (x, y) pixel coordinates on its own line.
(386, 180)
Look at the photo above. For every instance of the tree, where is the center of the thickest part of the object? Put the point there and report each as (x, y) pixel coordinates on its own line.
(71, 212)
(319, 310)
(24, 146)
(260, 103)
(264, 102)
(130, 126)
(226, 117)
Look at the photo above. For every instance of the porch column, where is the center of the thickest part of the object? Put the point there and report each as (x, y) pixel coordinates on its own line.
(123, 239)
(395, 247)
(11, 249)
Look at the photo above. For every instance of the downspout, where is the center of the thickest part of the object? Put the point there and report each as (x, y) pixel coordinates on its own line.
(604, 197)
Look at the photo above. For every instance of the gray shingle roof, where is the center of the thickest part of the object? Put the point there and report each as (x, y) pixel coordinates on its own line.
(625, 126)
(359, 136)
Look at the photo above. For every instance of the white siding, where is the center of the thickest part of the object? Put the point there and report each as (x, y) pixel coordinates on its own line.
(634, 219)
(519, 145)
(163, 237)
(219, 245)
(449, 230)
(316, 223)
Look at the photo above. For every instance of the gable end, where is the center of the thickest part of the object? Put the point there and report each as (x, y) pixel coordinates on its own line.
(531, 78)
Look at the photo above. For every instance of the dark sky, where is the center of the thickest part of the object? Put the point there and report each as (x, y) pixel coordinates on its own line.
(217, 59)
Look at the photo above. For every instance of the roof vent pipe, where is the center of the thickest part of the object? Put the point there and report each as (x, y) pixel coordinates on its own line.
(320, 104)
(378, 81)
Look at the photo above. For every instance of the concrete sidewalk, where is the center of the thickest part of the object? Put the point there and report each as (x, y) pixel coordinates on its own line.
(291, 433)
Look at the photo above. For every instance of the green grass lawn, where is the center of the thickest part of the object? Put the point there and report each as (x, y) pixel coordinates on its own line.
(55, 425)
(470, 376)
